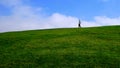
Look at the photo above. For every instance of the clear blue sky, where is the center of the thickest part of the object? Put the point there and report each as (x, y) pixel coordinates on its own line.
(86, 10)
(78, 8)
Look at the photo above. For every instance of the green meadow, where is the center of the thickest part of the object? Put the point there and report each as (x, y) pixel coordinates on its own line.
(96, 47)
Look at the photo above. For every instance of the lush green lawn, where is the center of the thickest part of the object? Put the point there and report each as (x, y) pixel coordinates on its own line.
(97, 47)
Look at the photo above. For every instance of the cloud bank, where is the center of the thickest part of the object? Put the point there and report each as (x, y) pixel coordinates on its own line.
(25, 17)
(101, 21)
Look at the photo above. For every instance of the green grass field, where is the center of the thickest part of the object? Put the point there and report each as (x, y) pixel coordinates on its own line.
(97, 47)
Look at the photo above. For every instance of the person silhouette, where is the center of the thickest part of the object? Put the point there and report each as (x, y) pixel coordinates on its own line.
(79, 24)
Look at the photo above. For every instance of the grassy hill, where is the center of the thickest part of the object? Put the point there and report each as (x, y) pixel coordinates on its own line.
(97, 47)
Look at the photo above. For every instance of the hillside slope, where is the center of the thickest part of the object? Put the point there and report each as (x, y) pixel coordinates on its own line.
(97, 47)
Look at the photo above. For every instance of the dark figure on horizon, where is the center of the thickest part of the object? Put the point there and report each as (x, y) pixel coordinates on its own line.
(79, 24)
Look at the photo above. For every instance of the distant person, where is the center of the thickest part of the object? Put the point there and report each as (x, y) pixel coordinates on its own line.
(79, 24)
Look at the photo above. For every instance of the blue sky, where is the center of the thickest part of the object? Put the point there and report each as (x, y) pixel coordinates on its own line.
(42, 14)
(81, 8)
(78, 8)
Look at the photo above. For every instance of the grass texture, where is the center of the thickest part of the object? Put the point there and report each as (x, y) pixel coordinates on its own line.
(97, 47)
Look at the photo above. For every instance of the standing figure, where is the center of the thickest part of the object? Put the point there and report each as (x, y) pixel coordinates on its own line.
(79, 24)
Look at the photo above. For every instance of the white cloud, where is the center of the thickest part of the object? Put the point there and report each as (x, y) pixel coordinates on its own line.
(56, 20)
(89, 24)
(59, 20)
(101, 21)
(10, 3)
(25, 17)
